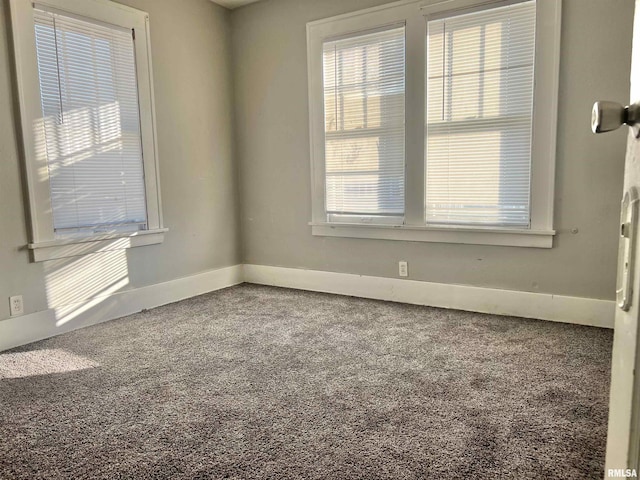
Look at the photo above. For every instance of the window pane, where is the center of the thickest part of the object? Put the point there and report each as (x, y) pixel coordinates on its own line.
(479, 117)
(364, 104)
(92, 125)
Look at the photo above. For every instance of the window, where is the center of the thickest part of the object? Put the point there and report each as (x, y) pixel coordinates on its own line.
(364, 126)
(87, 114)
(470, 155)
(480, 107)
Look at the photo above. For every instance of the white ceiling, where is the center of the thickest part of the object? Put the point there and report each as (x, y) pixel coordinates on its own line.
(231, 4)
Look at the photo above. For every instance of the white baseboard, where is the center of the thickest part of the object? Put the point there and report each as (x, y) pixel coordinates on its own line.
(557, 308)
(18, 331)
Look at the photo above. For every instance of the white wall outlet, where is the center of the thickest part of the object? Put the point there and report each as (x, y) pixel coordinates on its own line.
(403, 269)
(16, 305)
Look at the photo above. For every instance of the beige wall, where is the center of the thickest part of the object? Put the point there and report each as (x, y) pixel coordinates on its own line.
(193, 92)
(272, 144)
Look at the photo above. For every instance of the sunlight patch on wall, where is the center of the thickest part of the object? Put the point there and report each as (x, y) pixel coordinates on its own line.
(76, 285)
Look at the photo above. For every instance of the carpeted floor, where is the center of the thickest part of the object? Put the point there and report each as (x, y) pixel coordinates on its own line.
(256, 382)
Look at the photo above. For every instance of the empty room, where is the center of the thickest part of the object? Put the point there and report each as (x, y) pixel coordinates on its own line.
(319, 239)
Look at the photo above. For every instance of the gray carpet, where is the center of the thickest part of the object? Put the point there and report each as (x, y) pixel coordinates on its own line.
(257, 382)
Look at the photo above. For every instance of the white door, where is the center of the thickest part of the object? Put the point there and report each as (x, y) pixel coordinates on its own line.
(623, 448)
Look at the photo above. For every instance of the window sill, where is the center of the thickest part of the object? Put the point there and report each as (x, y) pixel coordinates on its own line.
(74, 247)
(466, 235)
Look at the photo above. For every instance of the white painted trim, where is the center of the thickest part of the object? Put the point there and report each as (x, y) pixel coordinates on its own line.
(397, 13)
(429, 233)
(32, 130)
(545, 113)
(543, 151)
(18, 331)
(29, 328)
(41, 252)
(371, 10)
(432, 8)
(557, 308)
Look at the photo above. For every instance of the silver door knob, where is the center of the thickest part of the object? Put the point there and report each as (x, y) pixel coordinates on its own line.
(608, 116)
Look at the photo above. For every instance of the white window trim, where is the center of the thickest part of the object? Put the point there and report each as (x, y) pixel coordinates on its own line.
(43, 243)
(413, 13)
(43, 251)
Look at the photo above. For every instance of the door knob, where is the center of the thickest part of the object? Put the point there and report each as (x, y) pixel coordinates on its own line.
(608, 116)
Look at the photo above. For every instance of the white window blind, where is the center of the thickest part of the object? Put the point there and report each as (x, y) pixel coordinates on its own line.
(480, 69)
(364, 105)
(92, 125)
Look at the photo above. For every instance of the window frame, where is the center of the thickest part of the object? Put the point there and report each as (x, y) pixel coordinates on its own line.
(415, 14)
(44, 245)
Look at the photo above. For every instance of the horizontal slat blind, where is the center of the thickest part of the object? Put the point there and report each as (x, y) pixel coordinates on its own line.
(92, 125)
(364, 105)
(479, 117)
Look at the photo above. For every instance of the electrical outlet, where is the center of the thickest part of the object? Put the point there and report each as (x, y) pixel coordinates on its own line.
(403, 269)
(16, 305)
